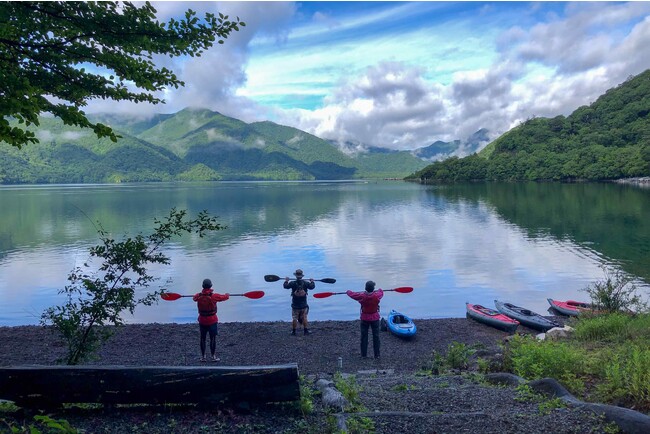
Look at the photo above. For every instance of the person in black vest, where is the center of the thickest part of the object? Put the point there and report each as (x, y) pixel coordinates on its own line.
(299, 307)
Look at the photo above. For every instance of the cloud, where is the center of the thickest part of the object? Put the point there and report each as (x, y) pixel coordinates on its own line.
(549, 69)
(405, 75)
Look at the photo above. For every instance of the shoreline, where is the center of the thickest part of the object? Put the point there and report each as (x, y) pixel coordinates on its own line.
(259, 343)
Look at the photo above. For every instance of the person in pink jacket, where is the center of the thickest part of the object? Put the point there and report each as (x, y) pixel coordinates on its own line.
(369, 300)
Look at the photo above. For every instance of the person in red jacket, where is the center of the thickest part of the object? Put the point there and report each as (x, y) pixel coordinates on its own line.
(370, 317)
(206, 302)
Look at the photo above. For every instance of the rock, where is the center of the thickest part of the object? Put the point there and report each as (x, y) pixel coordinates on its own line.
(330, 395)
(334, 399)
(559, 332)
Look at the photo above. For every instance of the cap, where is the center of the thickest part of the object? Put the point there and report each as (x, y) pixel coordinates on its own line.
(207, 283)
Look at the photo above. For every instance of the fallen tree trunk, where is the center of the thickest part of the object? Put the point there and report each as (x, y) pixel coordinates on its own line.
(51, 386)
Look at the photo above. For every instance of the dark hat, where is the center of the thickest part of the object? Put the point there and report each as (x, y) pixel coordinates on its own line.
(298, 273)
(207, 283)
(370, 286)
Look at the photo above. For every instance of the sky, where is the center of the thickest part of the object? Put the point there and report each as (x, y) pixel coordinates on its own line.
(403, 75)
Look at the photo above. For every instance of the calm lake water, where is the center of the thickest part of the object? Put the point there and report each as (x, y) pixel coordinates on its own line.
(515, 242)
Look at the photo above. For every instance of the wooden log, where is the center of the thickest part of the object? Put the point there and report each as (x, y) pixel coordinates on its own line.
(48, 386)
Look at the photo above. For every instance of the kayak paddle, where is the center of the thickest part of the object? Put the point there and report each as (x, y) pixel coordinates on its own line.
(401, 289)
(274, 278)
(171, 296)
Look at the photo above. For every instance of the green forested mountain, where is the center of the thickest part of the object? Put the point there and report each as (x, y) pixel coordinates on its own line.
(188, 145)
(609, 139)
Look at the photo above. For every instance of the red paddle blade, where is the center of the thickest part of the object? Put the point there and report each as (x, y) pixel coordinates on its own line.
(170, 296)
(403, 289)
(254, 294)
(323, 294)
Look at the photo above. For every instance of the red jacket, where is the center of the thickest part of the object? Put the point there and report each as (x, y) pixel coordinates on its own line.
(369, 303)
(206, 302)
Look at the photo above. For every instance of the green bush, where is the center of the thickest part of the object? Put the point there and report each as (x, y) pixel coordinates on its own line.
(615, 293)
(627, 377)
(533, 359)
(458, 355)
(615, 327)
(610, 352)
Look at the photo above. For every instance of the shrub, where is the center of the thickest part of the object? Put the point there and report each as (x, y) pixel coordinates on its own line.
(534, 359)
(458, 355)
(615, 292)
(627, 377)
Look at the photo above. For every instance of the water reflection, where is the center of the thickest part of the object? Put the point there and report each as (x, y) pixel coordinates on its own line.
(453, 244)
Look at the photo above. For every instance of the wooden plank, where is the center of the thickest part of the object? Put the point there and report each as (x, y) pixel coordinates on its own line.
(55, 385)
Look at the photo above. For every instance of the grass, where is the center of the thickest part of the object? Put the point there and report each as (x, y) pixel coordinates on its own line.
(606, 360)
(456, 358)
(350, 390)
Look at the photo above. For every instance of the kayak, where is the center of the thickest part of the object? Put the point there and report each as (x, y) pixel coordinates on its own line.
(491, 317)
(526, 317)
(401, 325)
(569, 307)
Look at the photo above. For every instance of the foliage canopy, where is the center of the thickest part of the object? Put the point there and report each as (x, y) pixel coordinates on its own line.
(56, 56)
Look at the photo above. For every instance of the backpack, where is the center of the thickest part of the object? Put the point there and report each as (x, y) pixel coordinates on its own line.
(299, 290)
(207, 307)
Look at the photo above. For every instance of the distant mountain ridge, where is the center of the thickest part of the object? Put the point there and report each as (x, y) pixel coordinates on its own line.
(190, 145)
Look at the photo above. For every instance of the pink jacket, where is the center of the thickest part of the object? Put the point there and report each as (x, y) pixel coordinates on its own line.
(369, 303)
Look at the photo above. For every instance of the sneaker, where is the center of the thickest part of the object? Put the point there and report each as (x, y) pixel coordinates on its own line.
(307, 332)
(216, 359)
(293, 332)
(202, 359)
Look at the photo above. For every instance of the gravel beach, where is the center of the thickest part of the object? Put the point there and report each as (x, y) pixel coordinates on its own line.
(394, 398)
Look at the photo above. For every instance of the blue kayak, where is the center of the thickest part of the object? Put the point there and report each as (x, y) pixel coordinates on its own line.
(400, 325)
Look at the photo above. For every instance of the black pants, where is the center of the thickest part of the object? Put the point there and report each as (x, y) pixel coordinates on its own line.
(364, 337)
(212, 329)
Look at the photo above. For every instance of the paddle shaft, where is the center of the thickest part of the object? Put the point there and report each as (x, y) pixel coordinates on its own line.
(403, 290)
(274, 278)
(171, 296)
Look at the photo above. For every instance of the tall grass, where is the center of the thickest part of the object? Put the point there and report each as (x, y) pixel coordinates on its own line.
(612, 328)
(610, 353)
(534, 359)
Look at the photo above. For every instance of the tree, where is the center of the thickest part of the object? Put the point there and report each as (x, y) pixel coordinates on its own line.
(99, 298)
(56, 56)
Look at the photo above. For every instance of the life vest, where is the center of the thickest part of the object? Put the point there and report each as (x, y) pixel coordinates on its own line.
(206, 306)
(369, 304)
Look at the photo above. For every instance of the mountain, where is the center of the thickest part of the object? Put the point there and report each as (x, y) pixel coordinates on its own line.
(189, 145)
(377, 161)
(440, 150)
(609, 139)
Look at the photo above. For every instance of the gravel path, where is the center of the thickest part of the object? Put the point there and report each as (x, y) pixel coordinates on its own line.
(395, 398)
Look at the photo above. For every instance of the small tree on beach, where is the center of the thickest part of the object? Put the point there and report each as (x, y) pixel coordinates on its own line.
(615, 292)
(99, 298)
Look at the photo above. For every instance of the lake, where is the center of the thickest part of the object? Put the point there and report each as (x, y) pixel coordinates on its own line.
(520, 243)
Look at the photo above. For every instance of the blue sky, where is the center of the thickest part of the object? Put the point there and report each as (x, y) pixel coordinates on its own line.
(405, 74)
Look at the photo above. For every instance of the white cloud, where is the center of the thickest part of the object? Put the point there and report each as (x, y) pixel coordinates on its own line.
(405, 75)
